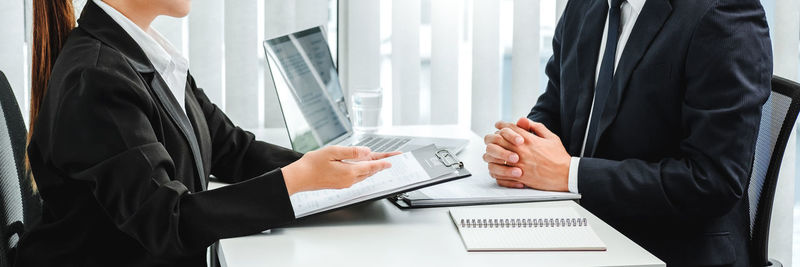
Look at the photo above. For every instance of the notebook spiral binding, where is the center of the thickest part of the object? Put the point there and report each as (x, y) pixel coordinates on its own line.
(523, 223)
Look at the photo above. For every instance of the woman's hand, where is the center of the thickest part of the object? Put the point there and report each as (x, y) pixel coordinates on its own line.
(333, 167)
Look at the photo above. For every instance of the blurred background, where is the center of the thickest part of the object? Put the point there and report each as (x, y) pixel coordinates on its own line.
(462, 62)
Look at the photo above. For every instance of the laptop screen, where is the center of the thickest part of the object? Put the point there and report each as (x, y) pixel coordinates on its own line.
(308, 89)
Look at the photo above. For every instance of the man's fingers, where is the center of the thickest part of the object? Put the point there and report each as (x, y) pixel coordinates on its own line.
(536, 127)
(524, 123)
(507, 181)
(346, 152)
(509, 184)
(502, 124)
(504, 155)
(507, 178)
(489, 159)
(515, 130)
(527, 136)
(523, 126)
(511, 136)
(496, 139)
(503, 170)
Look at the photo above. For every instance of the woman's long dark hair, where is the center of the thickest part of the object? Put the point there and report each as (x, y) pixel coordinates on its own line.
(52, 22)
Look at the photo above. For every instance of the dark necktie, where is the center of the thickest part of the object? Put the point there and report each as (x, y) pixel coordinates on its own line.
(605, 76)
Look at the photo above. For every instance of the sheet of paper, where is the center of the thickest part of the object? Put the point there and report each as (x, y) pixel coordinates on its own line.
(405, 170)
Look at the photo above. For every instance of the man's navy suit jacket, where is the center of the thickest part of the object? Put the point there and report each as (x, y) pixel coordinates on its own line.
(676, 140)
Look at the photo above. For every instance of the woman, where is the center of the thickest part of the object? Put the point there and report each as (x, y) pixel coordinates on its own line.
(122, 142)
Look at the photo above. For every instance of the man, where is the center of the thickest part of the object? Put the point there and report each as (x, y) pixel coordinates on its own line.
(651, 113)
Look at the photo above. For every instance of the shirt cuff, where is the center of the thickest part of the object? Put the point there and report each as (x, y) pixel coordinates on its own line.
(572, 180)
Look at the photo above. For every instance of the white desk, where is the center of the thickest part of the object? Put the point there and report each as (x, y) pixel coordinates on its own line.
(379, 234)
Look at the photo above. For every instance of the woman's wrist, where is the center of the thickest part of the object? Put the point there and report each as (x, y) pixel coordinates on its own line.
(291, 179)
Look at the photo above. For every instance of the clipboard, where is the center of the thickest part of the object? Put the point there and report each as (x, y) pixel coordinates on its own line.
(480, 189)
(435, 164)
(418, 200)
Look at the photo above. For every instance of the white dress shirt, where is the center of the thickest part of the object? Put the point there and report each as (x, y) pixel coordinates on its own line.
(630, 12)
(169, 63)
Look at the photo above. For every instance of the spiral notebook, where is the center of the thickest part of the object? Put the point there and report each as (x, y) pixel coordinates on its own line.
(525, 229)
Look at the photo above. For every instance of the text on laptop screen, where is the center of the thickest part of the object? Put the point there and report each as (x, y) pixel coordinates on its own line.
(308, 89)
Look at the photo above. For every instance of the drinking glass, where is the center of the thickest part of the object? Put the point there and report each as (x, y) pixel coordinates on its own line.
(366, 109)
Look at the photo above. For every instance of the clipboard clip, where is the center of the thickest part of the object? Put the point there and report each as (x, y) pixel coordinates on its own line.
(401, 196)
(448, 159)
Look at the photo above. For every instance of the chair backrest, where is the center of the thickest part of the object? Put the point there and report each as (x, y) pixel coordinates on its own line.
(777, 120)
(19, 206)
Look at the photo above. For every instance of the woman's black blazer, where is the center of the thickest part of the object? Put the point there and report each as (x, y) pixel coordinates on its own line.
(115, 163)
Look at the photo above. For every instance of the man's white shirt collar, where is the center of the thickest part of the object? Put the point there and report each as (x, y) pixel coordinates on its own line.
(635, 4)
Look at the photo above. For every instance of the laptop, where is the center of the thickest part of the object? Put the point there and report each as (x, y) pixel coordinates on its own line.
(313, 104)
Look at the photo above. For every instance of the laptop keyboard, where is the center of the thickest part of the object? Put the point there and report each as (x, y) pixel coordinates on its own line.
(382, 144)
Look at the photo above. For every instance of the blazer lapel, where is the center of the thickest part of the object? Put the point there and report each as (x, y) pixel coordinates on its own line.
(591, 33)
(653, 16)
(170, 104)
(198, 120)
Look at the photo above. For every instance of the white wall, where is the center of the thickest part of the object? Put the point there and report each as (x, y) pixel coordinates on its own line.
(359, 50)
(486, 56)
(446, 62)
(525, 67)
(406, 61)
(207, 54)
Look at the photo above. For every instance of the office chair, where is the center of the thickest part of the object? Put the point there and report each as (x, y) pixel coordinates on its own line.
(19, 206)
(777, 120)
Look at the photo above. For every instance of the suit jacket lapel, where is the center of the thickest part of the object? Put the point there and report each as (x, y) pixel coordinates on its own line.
(198, 120)
(591, 33)
(652, 17)
(170, 104)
